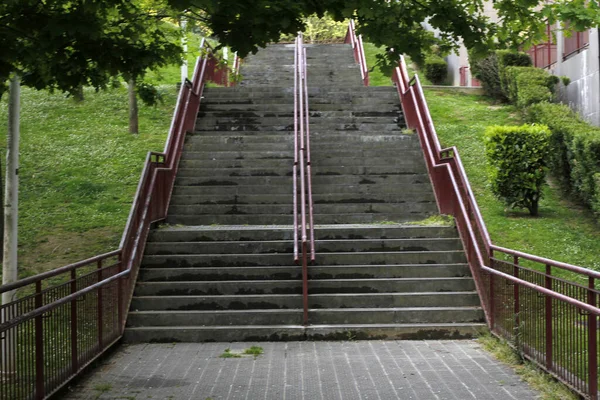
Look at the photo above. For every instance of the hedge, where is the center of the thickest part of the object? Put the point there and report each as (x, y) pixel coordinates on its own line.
(525, 86)
(436, 69)
(575, 150)
(507, 58)
(518, 156)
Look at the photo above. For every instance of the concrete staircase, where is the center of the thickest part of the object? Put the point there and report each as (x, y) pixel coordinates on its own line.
(222, 269)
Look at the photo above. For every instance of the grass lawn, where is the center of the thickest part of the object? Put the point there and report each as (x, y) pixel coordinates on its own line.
(78, 172)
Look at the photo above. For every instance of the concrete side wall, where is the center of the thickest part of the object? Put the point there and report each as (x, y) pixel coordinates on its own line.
(583, 93)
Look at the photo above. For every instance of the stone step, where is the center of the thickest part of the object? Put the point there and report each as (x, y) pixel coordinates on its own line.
(209, 120)
(289, 113)
(289, 126)
(287, 209)
(340, 101)
(286, 246)
(399, 142)
(385, 285)
(287, 91)
(287, 170)
(343, 189)
(348, 258)
(206, 106)
(315, 301)
(409, 159)
(278, 219)
(323, 136)
(251, 333)
(316, 151)
(375, 90)
(318, 198)
(295, 272)
(404, 179)
(315, 316)
(168, 233)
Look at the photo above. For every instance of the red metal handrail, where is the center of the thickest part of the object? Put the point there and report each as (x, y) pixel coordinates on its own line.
(359, 51)
(303, 195)
(539, 312)
(68, 317)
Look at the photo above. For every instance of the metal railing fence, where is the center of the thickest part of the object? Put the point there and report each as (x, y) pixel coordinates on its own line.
(359, 51)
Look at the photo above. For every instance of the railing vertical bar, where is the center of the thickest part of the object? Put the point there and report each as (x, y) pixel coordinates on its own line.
(592, 342)
(74, 352)
(308, 162)
(548, 317)
(296, 150)
(100, 308)
(517, 300)
(39, 345)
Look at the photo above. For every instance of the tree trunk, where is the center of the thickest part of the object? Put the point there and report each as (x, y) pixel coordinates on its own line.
(534, 208)
(184, 61)
(9, 265)
(133, 108)
(11, 205)
(78, 95)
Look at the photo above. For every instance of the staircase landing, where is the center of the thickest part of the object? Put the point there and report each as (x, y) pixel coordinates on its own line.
(418, 370)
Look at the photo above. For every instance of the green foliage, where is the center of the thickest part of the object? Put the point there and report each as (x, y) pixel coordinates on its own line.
(324, 30)
(518, 157)
(254, 350)
(486, 71)
(507, 59)
(528, 85)
(229, 354)
(64, 45)
(575, 148)
(149, 94)
(565, 80)
(436, 69)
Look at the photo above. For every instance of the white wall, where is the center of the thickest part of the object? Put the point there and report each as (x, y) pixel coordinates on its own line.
(583, 93)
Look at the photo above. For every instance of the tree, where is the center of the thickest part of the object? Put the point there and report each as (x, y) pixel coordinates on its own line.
(66, 44)
(246, 25)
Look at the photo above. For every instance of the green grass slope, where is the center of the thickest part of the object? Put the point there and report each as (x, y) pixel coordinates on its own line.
(78, 172)
(564, 231)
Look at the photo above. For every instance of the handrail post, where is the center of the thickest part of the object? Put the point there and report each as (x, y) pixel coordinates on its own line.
(120, 297)
(492, 312)
(517, 301)
(39, 345)
(592, 343)
(304, 283)
(74, 351)
(548, 312)
(100, 307)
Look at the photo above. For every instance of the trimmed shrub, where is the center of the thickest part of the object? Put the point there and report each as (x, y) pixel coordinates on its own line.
(576, 150)
(528, 85)
(486, 71)
(436, 69)
(517, 156)
(508, 58)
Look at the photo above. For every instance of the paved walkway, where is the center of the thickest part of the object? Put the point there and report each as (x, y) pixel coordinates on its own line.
(303, 370)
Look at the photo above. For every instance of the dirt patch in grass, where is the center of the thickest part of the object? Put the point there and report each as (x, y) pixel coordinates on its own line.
(61, 248)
